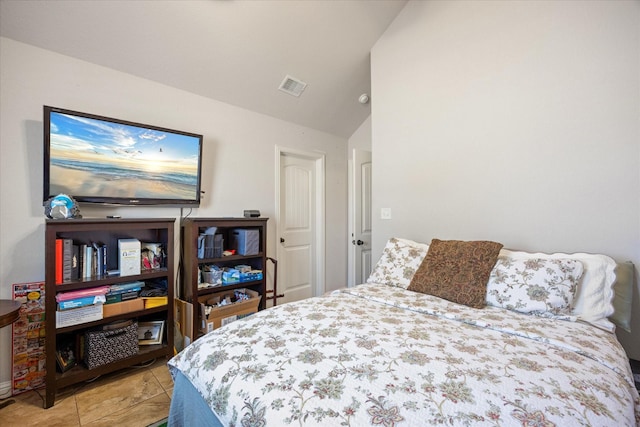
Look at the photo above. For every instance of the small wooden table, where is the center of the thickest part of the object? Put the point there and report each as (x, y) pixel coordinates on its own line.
(9, 313)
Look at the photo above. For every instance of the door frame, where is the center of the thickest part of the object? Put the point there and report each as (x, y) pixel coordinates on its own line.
(353, 196)
(319, 192)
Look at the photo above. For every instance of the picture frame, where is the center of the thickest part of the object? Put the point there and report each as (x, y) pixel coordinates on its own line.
(150, 333)
(65, 355)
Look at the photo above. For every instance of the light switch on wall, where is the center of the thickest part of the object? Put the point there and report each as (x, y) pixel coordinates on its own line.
(385, 213)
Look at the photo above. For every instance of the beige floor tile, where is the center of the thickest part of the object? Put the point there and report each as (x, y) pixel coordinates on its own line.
(133, 397)
(117, 394)
(162, 361)
(142, 414)
(161, 372)
(28, 411)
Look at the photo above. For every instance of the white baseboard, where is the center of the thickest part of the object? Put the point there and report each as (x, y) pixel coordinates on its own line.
(5, 389)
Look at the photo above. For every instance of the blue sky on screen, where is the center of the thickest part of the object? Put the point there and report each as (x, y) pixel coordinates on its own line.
(120, 142)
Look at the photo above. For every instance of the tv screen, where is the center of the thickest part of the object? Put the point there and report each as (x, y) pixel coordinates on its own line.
(98, 159)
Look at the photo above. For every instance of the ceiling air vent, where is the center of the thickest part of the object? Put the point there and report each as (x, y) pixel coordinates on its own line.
(292, 86)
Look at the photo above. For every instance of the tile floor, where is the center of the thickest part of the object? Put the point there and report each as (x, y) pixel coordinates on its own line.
(134, 397)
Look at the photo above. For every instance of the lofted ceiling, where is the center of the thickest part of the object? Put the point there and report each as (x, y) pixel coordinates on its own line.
(234, 51)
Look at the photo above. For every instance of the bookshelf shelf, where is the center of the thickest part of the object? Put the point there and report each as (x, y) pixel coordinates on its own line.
(110, 280)
(80, 373)
(108, 232)
(110, 319)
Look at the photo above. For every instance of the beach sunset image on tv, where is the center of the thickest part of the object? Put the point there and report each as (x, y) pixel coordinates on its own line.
(98, 158)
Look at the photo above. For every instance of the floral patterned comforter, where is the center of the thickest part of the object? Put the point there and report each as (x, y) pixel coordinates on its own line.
(380, 355)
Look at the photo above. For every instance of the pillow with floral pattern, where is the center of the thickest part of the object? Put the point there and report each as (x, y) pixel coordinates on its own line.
(399, 261)
(544, 287)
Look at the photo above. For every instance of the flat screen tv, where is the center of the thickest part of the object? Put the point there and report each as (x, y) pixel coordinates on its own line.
(102, 160)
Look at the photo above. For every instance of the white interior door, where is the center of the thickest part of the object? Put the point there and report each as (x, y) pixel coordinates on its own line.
(361, 234)
(301, 248)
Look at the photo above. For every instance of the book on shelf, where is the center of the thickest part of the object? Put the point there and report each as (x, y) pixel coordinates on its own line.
(58, 265)
(67, 260)
(81, 302)
(99, 259)
(80, 293)
(81, 250)
(88, 260)
(122, 287)
(75, 262)
(103, 260)
(124, 292)
(75, 316)
(94, 261)
(122, 296)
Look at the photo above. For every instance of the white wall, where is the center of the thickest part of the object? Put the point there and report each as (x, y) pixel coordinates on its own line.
(516, 122)
(239, 157)
(361, 138)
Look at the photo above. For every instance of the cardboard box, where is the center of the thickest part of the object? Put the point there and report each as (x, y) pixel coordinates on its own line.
(231, 276)
(123, 307)
(151, 302)
(129, 257)
(250, 276)
(184, 321)
(221, 316)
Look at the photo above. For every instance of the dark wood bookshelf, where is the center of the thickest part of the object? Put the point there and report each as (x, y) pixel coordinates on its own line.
(108, 232)
(190, 269)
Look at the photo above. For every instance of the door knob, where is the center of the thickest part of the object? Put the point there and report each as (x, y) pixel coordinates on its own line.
(359, 242)
(281, 240)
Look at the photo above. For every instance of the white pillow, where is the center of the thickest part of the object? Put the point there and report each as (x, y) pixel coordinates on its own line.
(398, 263)
(544, 287)
(593, 300)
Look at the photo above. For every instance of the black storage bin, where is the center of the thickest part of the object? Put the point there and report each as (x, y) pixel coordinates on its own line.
(103, 347)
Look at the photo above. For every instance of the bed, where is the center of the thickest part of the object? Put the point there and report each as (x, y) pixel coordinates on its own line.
(540, 348)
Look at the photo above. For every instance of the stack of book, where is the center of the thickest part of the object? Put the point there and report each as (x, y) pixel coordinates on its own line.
(77, 261)
(123, 298)
(124, 292)
(81, 306)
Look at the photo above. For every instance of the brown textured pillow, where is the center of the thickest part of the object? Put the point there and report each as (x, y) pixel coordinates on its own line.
(457, 271)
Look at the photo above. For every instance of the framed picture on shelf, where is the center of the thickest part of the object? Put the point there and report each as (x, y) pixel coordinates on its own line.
(150, 333)
(65, 355)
